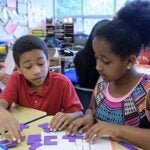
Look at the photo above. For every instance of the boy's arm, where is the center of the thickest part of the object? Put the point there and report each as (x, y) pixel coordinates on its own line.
(3, 104)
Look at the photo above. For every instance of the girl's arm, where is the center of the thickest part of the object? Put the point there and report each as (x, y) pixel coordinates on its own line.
(136, 136)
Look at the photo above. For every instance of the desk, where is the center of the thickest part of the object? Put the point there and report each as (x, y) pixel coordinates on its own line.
(34, 129)
(26, 115)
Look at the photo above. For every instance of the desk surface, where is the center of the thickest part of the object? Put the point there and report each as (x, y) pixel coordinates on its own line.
(26, 115)
(34, 129)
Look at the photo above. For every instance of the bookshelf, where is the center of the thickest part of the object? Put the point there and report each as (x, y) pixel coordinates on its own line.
(62, 31)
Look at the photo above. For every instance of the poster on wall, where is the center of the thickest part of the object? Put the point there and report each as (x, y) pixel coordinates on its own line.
(3, 2)
(4, 15)
(22, 8)
(12, 3)
(36, 20)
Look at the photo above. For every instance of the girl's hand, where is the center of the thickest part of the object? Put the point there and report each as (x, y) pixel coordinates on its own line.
(80, 125)
(9, 127)
(60, 121)
(102, 129)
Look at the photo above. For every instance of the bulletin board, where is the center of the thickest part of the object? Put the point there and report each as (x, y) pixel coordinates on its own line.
(13, 19)
(18, 17)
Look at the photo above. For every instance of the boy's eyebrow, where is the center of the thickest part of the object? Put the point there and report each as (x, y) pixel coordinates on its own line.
(31, 60)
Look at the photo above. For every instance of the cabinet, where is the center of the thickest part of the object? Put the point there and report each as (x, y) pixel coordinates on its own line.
(50, 30)
(68, 34)
(62, 31)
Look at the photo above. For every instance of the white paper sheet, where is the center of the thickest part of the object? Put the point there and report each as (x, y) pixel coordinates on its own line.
(79, 144)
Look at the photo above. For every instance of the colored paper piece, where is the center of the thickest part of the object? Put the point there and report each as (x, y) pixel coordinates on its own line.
(4, 35)
(4, 15)
(128, 146)
(11, 3)
(13, 15)
(22, 8)
(4, 141)
(33, 138)
(45, 127)
(20, 31)
(10, 27)
(12, 144)
(23, 20)
(35, 146)
(23, 126)
(2, 2)
(36, 20)
(48, 140)
(8, 144)
(72, 138)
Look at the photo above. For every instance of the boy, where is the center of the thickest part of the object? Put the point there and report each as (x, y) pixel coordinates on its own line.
(35, 87)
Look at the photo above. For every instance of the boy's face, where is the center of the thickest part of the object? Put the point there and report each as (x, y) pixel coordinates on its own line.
(34, 67)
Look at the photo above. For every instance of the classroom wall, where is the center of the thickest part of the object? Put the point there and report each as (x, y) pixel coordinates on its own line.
(19, 17)
(48, 4)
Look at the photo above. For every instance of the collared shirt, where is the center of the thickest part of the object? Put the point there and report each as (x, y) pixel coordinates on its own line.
(57, 94)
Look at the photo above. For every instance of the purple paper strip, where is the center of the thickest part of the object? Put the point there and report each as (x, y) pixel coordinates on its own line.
(72, 138)
(12, 144)
(45, 127)
(128, 146)
(35, 146)
(32, 138)
(22, 127)
(4, 142)
(48, 140)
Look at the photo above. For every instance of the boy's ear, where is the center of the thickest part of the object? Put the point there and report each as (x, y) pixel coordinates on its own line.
(18, 69)
(131, 61)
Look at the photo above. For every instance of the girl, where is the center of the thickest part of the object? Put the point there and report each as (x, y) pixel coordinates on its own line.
(118, 101)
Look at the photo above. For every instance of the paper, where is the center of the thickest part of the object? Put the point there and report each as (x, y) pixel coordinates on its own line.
(13, 15)
(11, 3)
(4, 15)
(23, 20)
(60, 141)
(22, 8)
(20, 30)
(10, 27)
(2, 2)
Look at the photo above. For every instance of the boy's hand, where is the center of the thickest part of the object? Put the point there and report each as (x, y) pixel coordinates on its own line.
(2, 65)
(80, 125)
(9, 127)
(102, 129)
(3, 77)
(60, 121)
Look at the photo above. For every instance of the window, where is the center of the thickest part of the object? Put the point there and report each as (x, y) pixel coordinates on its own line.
(87, 12)
(65, 8)
(98, 7)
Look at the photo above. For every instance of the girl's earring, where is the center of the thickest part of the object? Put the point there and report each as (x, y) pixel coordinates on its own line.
(128, 67)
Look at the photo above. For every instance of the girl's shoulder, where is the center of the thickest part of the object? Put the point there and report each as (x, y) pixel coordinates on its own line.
(145, 81)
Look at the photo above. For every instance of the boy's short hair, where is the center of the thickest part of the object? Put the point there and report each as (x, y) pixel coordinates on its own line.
(28, 43)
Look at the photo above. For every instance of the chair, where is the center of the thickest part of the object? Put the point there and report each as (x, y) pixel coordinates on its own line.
(84, 95)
